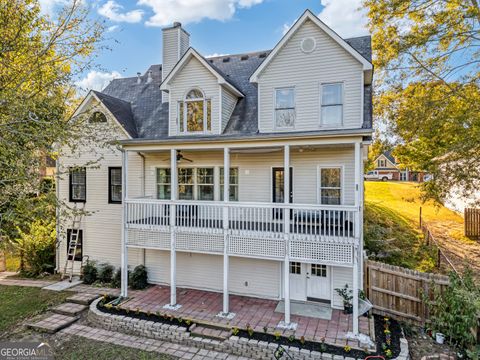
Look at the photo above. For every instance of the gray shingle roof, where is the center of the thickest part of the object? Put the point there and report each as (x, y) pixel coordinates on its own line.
(147, 116)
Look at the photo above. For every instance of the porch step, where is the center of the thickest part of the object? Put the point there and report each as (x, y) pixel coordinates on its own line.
(82, 298)
(210, 332)
(69, 309)
(53, 323)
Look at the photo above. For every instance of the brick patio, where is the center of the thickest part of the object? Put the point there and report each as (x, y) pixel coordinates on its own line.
(203, 307)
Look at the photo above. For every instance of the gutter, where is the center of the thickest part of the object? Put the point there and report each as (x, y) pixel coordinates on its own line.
(57, 216)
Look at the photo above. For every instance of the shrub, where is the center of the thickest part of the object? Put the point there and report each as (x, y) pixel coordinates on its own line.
(138, 279)
(105, 273)
(117, 278)
(37, 246)
(89, 273)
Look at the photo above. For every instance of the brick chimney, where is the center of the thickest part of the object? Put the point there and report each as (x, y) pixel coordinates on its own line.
(176, 42)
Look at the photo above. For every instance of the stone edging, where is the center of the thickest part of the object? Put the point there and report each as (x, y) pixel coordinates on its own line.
(250, 348)
(404, 352)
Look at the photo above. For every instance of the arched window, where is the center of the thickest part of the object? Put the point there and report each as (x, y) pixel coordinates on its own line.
(195, 113)
(98, 117)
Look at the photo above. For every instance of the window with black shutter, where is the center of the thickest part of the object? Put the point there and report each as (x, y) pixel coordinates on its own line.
(115, 185)
(78, 184)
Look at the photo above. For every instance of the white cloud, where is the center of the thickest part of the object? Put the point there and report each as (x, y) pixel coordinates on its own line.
(49, 6)
(287, 26)
(97, 80)
(215, 55)
(113, 28)
(188, 11)
(112, 10)
(346, 17)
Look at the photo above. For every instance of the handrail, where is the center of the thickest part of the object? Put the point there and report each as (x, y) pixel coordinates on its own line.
(246, 204)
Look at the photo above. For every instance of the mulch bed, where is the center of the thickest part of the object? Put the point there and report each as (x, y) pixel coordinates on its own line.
(380, 336)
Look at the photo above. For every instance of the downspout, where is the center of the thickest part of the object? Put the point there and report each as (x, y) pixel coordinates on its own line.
(142, 192)
(57, 216)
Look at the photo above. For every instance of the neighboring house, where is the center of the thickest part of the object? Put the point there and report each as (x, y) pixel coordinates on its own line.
(387, 168)
(239, 174)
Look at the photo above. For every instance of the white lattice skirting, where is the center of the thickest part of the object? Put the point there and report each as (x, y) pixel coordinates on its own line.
(321, 252)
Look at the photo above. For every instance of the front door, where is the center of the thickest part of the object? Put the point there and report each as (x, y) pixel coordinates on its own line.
(298, 281)
(318, 282)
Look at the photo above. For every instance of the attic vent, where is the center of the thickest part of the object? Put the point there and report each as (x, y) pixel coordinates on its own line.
(262, 55)
(227, 59)
(244, 57)
(308, 45)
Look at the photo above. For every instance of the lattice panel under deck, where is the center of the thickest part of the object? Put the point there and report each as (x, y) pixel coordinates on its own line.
(256, 247)
(321, 252)
(154, 239)
(199, 242)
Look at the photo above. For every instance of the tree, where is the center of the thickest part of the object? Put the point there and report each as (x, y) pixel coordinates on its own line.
(427, 56)
(39, 59)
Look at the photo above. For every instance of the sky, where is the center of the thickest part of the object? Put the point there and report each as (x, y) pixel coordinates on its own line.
(216, 27)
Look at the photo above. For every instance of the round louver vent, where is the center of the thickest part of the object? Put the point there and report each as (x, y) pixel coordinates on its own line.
(308, 45)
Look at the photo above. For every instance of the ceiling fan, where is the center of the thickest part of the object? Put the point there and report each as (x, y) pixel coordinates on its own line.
(180, 157)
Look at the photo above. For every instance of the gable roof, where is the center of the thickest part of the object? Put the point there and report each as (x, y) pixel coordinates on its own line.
(121, 110)
(388, 155)
(308, 15)
(191, 52)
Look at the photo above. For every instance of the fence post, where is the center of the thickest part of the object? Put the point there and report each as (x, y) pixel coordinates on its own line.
(439, 253)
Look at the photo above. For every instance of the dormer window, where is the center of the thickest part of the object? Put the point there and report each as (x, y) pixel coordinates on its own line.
(98, 117)
(195, 113)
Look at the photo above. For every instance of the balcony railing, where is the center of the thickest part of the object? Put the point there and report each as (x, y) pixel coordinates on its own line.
(265, 220)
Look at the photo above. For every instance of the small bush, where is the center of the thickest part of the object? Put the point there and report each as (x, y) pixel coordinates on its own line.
(138, 279)
(117, 278)
(105, 273)
(89, 273)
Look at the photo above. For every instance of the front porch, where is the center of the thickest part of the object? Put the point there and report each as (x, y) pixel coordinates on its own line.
(203, 307)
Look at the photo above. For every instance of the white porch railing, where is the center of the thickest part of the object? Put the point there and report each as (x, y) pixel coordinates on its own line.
(311, 227)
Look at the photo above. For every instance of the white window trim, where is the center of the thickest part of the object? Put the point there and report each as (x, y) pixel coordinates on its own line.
(184, 100)
(220, 184)
(320, 91)
(281, 128)
(157, 183)
(342, 182)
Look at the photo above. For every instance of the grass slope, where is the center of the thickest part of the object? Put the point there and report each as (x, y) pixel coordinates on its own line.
(18, 303)
(392, 221)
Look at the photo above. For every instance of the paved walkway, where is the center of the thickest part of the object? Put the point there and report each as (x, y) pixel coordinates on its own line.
(5, 280)
(162, 347)
(258, 313)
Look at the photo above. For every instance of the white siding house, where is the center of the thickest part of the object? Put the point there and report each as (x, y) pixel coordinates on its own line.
(246, 179)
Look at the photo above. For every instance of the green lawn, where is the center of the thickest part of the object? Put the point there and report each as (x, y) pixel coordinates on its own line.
(18, 303)
(81, 348)
(392, 221)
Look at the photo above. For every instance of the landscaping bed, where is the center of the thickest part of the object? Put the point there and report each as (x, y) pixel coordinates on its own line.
(388, 332)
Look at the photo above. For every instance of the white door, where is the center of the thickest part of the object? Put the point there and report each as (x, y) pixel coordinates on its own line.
(318, 282)
(298, 281)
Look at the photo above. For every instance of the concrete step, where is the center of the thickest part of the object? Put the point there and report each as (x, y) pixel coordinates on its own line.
(64, 284)
(210, 332)
(83, 298)
(70, 309)
(53, 323)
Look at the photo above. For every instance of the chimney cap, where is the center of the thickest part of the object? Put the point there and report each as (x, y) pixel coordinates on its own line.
(177, 24)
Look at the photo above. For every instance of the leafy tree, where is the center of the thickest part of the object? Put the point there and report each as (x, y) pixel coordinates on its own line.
(40, 56)
(427, 59)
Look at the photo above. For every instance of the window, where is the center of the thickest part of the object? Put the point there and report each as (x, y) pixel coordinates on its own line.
(330, 186)
(78, 184)
(97, 117)
(163, 184)
(205, 187)
(185, 183)
(319, 270)
(78, 252)
(382, 163)
(195, 113)
(115, 185)
(284, 108)
(295, 268)
(332, 104)
(233, 184)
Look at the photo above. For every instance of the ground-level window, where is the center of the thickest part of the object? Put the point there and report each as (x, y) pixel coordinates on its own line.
(115, 185)
(79, 251)
(233, 184)
(78, 184)
(295, 268)
(163, 184)
(319, 270)
(185, 183)
(330, 186)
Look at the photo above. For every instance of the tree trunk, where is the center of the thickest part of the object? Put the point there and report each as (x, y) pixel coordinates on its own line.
(3, 261)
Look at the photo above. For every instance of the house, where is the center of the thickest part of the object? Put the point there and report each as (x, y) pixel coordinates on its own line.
(240, 174)
(386, 167)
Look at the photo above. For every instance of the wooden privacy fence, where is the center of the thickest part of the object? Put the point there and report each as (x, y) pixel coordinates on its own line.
(398, 292)
(472, 223)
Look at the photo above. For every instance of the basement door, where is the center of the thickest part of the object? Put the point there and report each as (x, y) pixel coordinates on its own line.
(309, 282)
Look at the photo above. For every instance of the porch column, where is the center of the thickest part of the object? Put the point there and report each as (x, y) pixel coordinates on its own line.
(356, 270)
(124, 259)
(226, 198)
(286, 229)
(173, 213)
